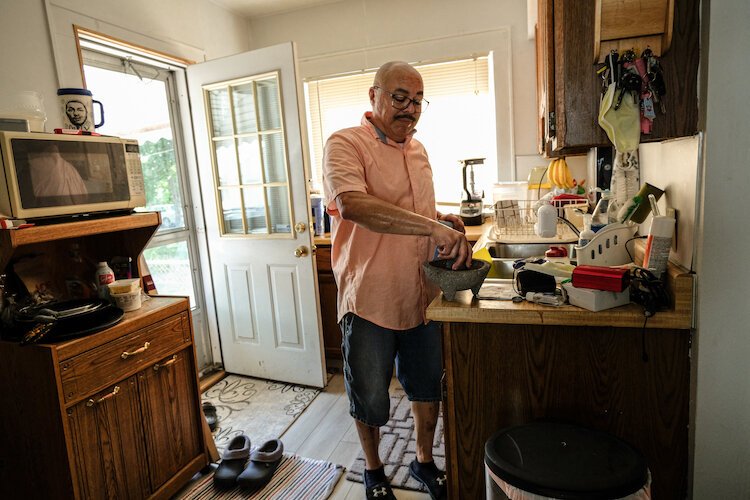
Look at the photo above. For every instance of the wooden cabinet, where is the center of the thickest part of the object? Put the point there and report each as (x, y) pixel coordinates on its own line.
(113, 414)
(503, 375)
(568, 88)
(328, 308)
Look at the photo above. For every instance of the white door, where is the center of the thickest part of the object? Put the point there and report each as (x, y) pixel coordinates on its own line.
(253, 176)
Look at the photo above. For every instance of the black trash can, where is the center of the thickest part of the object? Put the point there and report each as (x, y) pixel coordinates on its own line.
(562, 461)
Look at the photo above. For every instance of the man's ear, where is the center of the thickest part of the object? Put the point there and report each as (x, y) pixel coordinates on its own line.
(372, 95)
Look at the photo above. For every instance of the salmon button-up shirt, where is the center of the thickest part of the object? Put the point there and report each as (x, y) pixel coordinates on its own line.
(379, 275)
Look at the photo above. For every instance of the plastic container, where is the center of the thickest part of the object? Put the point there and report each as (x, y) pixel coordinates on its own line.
(124, 285)
(546, 224)
(587, 234)
(658, 244)
(608, 246)
(503, 191)
(129, 301)
(103, 277)
(600, 217)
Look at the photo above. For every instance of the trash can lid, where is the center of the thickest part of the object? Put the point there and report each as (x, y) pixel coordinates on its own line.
(565, 461)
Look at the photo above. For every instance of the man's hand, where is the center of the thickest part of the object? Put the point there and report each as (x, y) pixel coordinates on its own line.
(452, 244)
(458, 224)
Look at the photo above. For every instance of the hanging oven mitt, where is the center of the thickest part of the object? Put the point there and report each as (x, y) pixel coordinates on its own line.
(623, 125)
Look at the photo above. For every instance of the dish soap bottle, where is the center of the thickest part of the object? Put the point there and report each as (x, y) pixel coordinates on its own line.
(587, 233)
(103, 277)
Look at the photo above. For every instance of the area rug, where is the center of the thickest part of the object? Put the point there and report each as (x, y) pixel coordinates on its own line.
(297, 478)
(398, 446)
(260, 409)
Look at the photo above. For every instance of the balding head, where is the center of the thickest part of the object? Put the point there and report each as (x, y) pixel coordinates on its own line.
(399, 79)
(391, 68)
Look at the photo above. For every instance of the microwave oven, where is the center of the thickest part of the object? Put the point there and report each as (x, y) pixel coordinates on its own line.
(53, 175)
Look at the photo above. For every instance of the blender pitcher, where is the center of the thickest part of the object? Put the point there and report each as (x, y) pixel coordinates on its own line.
(471, 200)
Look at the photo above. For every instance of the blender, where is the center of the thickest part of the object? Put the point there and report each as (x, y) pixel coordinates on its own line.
(471, 200)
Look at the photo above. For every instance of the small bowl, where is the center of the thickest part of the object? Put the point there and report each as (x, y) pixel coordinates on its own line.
(450, 281)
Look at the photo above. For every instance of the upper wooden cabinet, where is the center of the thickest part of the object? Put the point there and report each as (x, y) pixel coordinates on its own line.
(569, 90)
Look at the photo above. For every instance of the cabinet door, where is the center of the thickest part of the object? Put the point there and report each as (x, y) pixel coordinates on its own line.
(569, 86)
(107, 443)
(328, 303)
(169, 400)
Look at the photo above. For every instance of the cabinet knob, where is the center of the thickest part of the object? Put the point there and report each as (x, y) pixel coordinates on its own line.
(301, 251)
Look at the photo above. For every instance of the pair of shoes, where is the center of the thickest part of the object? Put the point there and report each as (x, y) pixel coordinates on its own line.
(209, 410)
(233, 462)
(263, 463)
(433, 478)
(380, 491)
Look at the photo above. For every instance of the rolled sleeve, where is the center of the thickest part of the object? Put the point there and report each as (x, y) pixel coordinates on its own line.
(343, 170)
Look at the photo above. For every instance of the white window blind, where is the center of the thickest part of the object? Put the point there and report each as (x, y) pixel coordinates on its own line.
(459, 123)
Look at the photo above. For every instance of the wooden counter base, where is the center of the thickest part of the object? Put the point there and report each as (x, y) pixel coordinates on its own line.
(499, 375)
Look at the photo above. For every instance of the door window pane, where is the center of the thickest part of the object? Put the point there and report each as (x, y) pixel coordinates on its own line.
(244, 108)
(221, 117)
(249, 152)
(278, 209)
(274, 163)
(139, 109)
(253, 182)
(231, 207)
(269, 106)
(226, 163)
(170, 269)
(255, 211)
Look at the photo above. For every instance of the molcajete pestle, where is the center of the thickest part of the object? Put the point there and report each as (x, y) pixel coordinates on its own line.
(450, 281)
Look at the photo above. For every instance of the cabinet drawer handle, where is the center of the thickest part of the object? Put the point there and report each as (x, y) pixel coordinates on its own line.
(92, 402)
(172, 361)
(127, 354)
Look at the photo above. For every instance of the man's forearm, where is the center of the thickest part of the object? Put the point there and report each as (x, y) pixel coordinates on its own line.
(382, 217)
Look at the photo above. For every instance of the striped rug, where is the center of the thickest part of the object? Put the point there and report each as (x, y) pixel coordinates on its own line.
(297, 478)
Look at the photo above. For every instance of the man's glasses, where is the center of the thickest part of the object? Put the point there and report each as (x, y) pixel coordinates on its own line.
(401, 102)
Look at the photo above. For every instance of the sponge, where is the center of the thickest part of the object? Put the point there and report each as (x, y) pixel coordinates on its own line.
(484, 254)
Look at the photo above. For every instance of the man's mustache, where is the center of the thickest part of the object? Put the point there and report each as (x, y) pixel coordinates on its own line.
(408, 116)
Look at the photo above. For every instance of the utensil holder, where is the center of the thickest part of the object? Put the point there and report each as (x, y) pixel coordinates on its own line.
(608, 247)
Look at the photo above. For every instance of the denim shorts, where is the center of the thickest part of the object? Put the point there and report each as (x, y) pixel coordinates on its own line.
(369, 352)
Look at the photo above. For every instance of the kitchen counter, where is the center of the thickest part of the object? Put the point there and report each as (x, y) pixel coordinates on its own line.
(512, 363)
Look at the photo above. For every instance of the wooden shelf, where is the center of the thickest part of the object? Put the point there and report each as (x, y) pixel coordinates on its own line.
(137, 229)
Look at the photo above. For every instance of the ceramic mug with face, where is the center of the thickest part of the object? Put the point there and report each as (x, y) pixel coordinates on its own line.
(78, 109)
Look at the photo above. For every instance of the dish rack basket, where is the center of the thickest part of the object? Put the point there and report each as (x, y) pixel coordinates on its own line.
(517, 217)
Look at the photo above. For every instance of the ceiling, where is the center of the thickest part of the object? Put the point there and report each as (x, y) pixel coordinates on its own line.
(257, 8)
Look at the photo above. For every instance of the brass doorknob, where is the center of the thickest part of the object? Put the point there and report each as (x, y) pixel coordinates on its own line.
(301, 251)
(300, 227)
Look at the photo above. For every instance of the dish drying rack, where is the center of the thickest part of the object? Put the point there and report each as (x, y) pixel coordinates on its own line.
(515, 219)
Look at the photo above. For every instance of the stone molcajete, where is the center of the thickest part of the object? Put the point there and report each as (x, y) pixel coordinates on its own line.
(450, 281)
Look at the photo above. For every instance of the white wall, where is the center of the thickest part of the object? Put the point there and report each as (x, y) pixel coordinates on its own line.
(673, 166)
(722, 407)
(39, 51)
(356, 34)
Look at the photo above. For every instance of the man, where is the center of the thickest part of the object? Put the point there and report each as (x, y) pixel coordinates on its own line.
(77, 113)
(379, 192)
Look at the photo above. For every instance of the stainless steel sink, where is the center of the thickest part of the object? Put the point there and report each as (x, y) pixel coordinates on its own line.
(522, 250)
(505, 254)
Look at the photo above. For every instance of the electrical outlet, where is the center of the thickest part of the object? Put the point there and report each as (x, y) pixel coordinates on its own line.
(672, 212)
